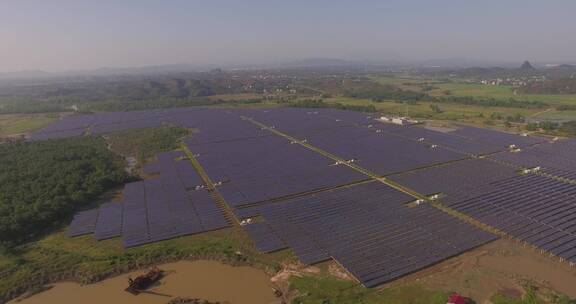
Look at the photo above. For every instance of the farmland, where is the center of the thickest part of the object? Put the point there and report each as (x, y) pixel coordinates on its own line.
(15, 124)
(499, 92)
(461, 88)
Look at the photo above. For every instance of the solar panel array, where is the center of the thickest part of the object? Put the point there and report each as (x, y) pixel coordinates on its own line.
(534, 208)
(322, 209)
(465, 139)
(369, 230)
(556, 158)
(155, 209)
(109, 224)
(378, 152)
(83, 223)
(267, 167)
(458, 180)
(295, 121)
(264, 239)
(216, 125)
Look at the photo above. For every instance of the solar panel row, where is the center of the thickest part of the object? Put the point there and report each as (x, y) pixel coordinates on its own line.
(264, 239)
(556, 158)
(83, 223)
(379, 152)
(533, 208)
(155, 209)
(264, 168)
(109, 224)
(457, 180)
(369, 230)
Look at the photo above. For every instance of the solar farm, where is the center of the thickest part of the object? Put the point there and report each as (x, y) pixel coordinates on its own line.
(381, 200)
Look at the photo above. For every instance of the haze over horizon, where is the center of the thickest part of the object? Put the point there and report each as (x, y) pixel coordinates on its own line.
(65, 35)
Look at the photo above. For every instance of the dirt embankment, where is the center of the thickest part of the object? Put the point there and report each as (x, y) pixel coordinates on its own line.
(501, 266)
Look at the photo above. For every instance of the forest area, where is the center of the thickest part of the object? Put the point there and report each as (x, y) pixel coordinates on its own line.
(42, 184)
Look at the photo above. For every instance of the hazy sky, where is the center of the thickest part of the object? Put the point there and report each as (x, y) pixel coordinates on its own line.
(58, 35)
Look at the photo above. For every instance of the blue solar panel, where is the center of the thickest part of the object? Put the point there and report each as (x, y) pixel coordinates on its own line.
(264, 239)
(155, 209)
(264, 168)
(534, 208)
(368, 229)
(109, 222)
(83, 223)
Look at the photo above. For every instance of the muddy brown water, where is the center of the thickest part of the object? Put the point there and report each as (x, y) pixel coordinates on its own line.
(207, 280)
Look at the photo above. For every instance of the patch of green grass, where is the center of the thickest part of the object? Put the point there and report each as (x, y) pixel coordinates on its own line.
(145, 143)
(460, 88)
(501, 92)
(235, 97)
(553, 115)
(405, 83)
(532, 295)
(324, 289)
(12, 124)
(501, 299)
(422, 110)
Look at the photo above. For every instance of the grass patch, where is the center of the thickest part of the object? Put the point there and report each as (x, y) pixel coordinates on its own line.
(13, 124)
(501, 92)
(532, 295)
(556, 116)
(423, 110)
(405, 83)
(146, 143)
(458, 88)
(324, 289)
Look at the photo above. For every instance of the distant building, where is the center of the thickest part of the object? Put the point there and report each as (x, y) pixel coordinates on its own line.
(403, 121)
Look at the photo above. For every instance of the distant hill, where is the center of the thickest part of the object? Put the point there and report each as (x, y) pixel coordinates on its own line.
(527, 66)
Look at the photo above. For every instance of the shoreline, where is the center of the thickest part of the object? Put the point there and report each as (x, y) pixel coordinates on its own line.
(205, 279)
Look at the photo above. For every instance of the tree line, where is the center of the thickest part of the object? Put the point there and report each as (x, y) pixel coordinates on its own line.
(319, 103)
(388, 93)
(567, 128)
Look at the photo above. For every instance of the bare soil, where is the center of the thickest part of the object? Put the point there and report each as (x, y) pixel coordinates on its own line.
(501, 266)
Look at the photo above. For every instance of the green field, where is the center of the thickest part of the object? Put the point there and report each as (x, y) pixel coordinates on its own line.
(459, 88)
(452, 112)
(498, 92)
(556, 116)
(13, 124)
(326, 289)
(405, 83)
